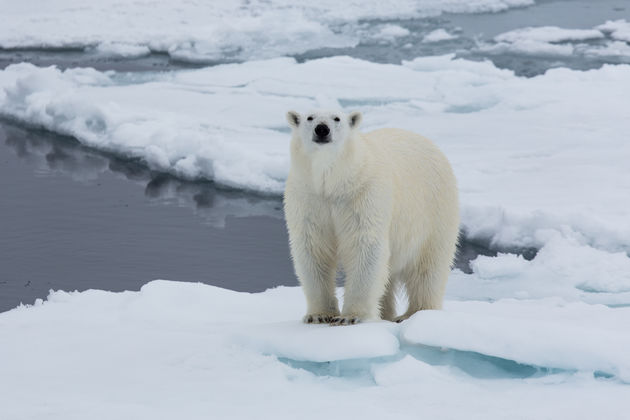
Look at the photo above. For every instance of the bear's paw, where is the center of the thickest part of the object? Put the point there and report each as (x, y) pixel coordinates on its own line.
(345, 320)
(319, 318)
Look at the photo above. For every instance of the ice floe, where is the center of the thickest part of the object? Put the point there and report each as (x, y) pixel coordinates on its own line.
(175, 349)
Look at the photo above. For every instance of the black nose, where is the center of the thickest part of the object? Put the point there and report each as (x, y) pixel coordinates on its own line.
(322, 130)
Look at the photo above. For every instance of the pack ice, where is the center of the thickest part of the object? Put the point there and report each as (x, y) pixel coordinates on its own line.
(210, 31)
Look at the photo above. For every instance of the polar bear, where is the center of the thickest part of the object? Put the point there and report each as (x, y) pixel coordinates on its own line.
(382, 206)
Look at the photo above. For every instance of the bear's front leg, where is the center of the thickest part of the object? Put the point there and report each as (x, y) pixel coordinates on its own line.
(313, 249)
(366, 281)
(364, 252)
(316, 269)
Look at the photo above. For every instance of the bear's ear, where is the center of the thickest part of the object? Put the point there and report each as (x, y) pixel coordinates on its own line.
(354, 119)
(293, 118)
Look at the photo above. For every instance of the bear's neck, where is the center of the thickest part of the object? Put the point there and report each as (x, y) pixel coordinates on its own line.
(336, 175)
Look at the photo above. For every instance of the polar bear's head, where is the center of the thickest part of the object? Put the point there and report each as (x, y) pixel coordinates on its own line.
(324, 129)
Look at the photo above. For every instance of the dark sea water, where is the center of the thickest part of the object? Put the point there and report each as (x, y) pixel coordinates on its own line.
(73, 218)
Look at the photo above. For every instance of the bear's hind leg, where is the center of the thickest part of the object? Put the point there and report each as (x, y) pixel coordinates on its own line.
(388, 302)
(425, 286)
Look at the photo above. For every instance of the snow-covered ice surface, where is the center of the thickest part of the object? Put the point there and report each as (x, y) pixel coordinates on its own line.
(209, 30)
(185, 350)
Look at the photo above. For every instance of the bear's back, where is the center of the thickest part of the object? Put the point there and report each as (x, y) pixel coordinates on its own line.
(406, 154)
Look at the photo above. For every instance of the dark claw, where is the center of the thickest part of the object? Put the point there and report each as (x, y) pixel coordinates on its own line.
(309, 320)
(339, 320)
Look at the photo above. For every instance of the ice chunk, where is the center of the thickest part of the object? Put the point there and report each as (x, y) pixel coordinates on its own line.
(569, 336)
(548, 34)
(390, 32)
(529, 47)
(438, 35)
(117, 49)
(618, 29)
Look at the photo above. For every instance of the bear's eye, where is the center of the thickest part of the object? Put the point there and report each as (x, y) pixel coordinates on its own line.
(337, 119)
(310, 118)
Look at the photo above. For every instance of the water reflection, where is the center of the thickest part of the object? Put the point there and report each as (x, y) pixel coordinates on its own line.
(51, 153)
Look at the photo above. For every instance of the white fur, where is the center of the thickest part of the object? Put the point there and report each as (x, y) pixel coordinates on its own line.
(381, 205)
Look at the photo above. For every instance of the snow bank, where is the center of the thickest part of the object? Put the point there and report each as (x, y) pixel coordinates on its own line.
(210, 30)
(531, 155)
(564, 268)
(182, 349)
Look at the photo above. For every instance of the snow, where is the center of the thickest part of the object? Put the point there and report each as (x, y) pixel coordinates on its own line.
(438, 35)
(566, 172)
(183, 349)
(207, 31)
